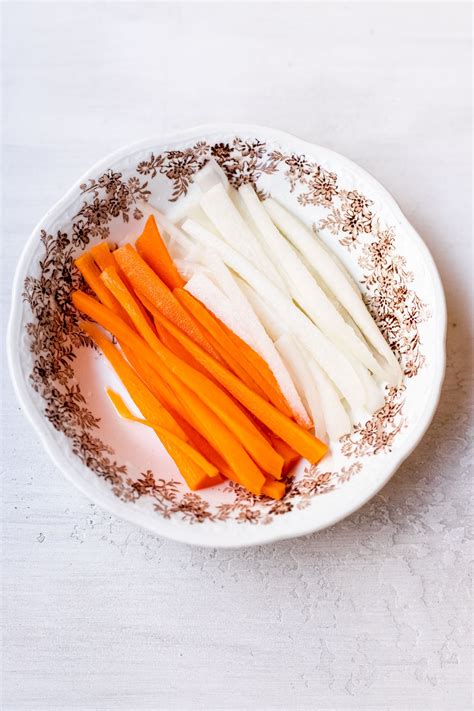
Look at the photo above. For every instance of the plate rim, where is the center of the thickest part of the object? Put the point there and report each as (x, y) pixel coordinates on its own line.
(190, 534)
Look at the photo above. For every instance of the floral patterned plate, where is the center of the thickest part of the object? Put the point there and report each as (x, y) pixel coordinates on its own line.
(60, 378)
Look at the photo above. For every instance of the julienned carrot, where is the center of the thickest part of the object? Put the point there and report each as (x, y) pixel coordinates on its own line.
(260, 366)
(134, 309)
(201, 426)
(166, 337)
(152, 380)
(181, 411)
(86, 265)
(188, 450)
(253, 441)
(220, 341)
(251, 361)
(273, 489)
(177, 373)
(194, 475)
(215, 431)
(143, 279)
(153, 250)
(117, 287)
(147, 403)
(290, 457)
(102, 256)
(298, 438)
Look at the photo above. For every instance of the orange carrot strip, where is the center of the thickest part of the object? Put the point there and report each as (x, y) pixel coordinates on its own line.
(117, 287)
(146, 402)
(102, 256)
(274, 489)
(298, 438)
(144, 279)
(253, 441)
(180, 411)
(220, 341)
(290, 457)
(150, 407)
(166, 337)
(189, 451)
(86, 265)
(153, 250)
(260, 366)
(214, 430)
(153, 381)
(211, 425)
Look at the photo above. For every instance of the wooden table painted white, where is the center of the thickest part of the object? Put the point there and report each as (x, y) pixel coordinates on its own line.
(372, 614)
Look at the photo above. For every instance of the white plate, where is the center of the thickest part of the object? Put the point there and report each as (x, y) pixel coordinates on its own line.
(122, 466)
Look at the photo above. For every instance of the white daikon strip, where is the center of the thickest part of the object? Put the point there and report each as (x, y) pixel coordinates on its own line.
(334, 277)
(206, 291)
(257, 337)
(198, 214)
(333, 362)
(182, 248)
(236, 198)
(303, 287)
(336, 419)
(177, 211)
(267, 316)
(188, 267)
(211, 175)
(339, 263)
(304, 381)
(374, 398)
(383, 375)
(234, 310)
(222, 212)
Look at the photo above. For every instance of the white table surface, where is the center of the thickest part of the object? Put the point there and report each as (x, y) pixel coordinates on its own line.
(371, 614)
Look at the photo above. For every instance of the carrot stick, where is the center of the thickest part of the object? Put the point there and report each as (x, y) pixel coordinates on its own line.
(153, 381)
(274, 489)
(102, 256)
(261, 366)
(251, 361)
(221, 342)
(181, 412)
(144, 279)
(253, 441)
(177, 374)
(214, 430)
(153, 250)
(117, 287)
(189, 451)
(151, 408)
(166, 337)
(298, 438)
(290, 457)
(86, 265)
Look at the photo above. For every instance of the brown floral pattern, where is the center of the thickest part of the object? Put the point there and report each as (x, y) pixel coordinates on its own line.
(55, 335)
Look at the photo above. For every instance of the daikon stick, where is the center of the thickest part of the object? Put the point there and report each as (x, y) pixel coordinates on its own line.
(302, 286)
(336, 280)
(267, 316)
(222, 212)
(336, 419)
(242, 319)
(331, 359)
(206, 291)
(211, 175)
(304, 381)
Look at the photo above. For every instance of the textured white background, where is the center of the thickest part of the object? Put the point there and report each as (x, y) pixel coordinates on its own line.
(373, 613)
